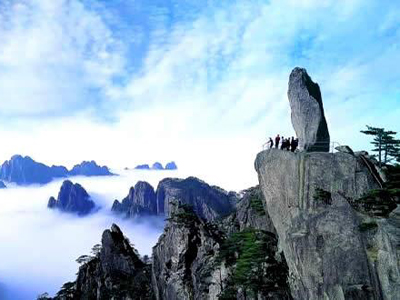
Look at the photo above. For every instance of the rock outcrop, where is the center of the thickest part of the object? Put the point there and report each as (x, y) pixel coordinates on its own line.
(72, 198)
(333, 251)
(141, 201)
(2, 185)
(183, 258)
(157, 166)
(209, 202)
(116, 272)
(171, 166)
(24, 170)
(90, 168)
(194, 259)
(142, 167)
(249, 213)
(308, 117)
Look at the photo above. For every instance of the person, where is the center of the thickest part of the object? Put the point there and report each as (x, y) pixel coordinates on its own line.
(292, 144)
(287, 144)
(277, 139)
(270, 143)
(283, 144)
(295, 144)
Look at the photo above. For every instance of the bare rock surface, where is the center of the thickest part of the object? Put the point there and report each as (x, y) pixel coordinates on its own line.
(72, 198)
(116, 272)
(333, 251)
(308, 117)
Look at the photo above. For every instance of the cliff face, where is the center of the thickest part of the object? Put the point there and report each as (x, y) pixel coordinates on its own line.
(333, 251)
(72, 198)
(24, 170)
(141, 201)
(194, 259)
(116, 272)
(184, 257)
(209, 202)
(308, 116)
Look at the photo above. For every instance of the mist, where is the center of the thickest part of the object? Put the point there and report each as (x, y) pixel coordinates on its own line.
(40, 246)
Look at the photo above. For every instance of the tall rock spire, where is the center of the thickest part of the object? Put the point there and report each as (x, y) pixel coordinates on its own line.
(308, 117)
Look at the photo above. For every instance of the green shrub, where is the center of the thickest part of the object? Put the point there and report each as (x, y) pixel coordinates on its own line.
(323, 196)
(365, 226)
(257, 204)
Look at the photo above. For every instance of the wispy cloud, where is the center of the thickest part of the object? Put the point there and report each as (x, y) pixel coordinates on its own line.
(180, 78)
(53, 54)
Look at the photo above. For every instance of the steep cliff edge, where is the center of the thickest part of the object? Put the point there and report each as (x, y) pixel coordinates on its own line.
(195, 259)
(333, 251)
(115, 272)
(72, 198)
(209, 202)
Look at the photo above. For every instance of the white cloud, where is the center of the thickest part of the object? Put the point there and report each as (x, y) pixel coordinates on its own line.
(209, 92)
(41, 245)
(52, 53)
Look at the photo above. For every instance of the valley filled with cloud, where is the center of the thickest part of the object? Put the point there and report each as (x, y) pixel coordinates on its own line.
(40, 246)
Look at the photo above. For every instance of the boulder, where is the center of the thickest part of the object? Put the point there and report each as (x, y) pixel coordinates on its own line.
(72, 198)
(308, 117)
(344, 149)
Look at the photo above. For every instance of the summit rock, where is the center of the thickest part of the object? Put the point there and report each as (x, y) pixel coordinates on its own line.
(72, 198)
(308, 116)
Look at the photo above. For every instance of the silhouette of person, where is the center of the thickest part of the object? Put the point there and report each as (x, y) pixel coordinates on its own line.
(292, 144)
(271, 143)
(295, 144)
(283, 144)
(277, 139)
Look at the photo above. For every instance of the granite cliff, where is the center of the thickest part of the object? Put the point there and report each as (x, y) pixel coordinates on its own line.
(338, 243)
(193, 259)
(209, 202)
(114, 272)
(72, 198)
(317, 227)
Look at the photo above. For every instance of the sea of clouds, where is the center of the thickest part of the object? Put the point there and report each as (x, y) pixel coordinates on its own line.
(39, 246)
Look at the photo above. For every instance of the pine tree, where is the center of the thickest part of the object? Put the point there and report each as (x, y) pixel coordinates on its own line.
(385, 143)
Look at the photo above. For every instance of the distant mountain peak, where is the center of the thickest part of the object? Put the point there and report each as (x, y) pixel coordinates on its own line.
(72, 198)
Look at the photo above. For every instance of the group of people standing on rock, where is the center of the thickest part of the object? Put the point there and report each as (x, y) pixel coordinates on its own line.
(288, 144)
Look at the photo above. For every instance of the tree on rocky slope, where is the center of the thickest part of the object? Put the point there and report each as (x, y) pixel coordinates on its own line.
(385, 144)
(251, 253)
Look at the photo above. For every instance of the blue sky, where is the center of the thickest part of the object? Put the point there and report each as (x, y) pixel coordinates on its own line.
(184, 79)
